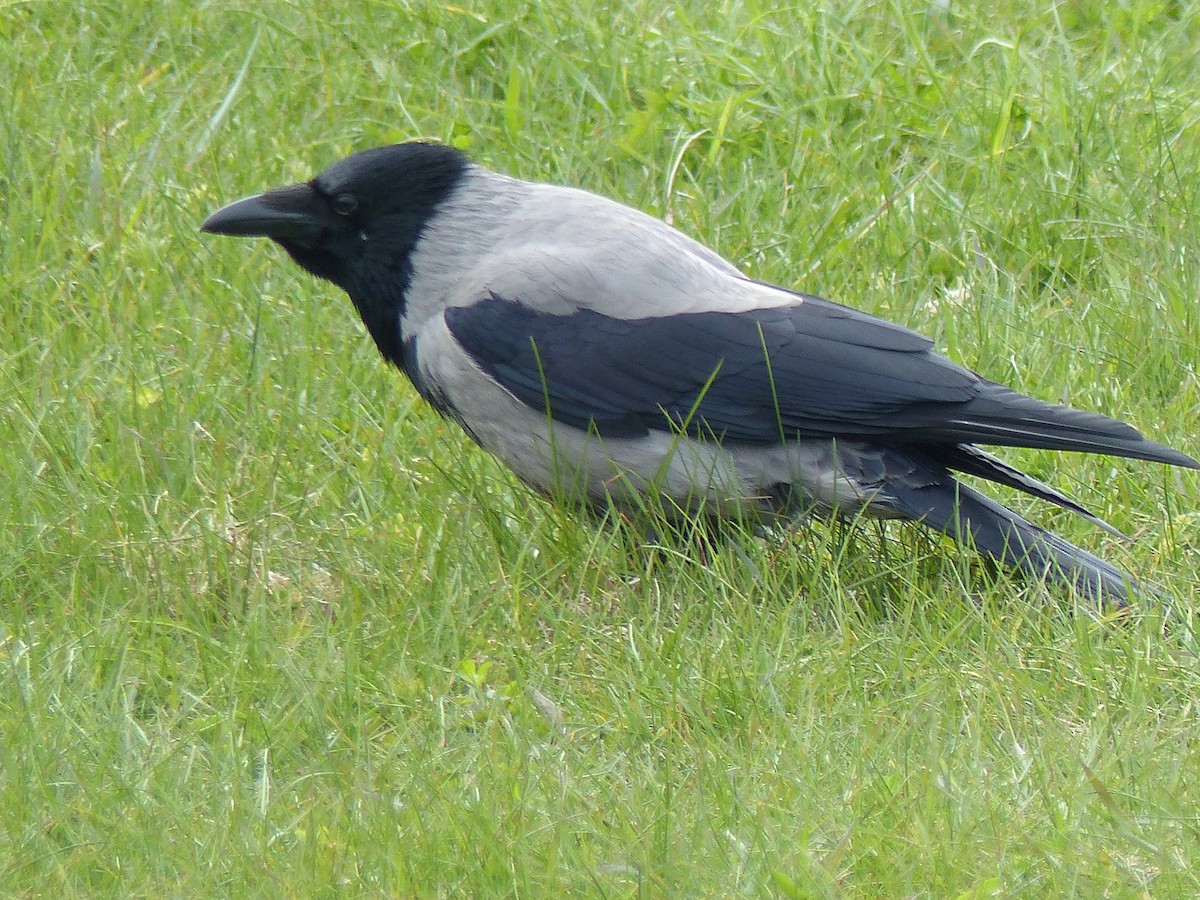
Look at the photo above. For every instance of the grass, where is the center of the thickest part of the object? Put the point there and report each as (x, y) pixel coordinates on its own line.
(268, 627)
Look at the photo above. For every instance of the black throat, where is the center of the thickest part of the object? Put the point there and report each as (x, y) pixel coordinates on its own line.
(401, 188)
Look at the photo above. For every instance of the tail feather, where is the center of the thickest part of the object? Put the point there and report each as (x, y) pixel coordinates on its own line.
(951, 507)
(971, 460)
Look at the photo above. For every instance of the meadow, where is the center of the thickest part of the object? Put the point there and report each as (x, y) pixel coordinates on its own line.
(270, 627)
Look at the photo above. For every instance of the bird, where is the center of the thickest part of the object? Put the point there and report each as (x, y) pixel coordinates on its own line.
(610, 360)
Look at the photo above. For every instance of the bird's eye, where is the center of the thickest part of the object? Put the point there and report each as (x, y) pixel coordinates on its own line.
(345, 204)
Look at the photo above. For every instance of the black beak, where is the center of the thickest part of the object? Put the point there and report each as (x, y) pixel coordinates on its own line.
(290, 215)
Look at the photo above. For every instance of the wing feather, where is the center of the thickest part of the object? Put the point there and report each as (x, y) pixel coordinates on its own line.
(811, 369)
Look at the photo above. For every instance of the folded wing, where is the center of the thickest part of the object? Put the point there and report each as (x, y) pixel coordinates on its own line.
(811, 369)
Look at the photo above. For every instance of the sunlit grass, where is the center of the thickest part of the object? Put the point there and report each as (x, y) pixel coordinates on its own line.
(271, 627)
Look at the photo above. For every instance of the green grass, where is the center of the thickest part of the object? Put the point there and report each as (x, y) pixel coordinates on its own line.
(269, 627)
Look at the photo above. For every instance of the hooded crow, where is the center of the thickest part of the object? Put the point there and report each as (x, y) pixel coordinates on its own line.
(606, 357)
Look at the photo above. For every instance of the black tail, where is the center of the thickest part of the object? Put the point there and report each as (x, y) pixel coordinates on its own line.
(949, 506)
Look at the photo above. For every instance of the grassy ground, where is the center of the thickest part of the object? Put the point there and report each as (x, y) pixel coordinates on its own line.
(269, 627)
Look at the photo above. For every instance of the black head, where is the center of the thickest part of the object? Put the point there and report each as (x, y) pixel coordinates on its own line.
(356, 224)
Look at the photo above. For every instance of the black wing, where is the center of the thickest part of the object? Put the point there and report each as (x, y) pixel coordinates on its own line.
(811, 369)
